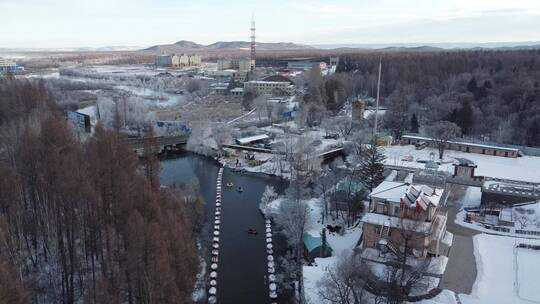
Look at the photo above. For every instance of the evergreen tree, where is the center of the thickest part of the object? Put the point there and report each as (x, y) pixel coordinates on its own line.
(465, 118)
(324, 245)
(415, 127)
(533, 134)
(372, 166)
(472, 85)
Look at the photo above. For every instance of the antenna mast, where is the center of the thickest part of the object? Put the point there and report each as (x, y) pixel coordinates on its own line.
(252, 59)
(377, 102)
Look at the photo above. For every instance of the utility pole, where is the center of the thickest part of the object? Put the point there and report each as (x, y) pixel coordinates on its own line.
(252, 59)
(377, 102)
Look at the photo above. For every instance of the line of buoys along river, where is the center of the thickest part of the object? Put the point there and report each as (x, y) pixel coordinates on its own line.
(212, 290)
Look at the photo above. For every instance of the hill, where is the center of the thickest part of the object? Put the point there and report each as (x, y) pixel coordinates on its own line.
(184, 46)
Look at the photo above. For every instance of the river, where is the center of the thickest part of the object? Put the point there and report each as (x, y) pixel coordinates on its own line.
(242, 260)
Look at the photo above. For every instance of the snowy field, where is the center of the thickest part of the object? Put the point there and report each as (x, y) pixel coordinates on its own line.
(525, 168)
(505, 275)
(528, 268)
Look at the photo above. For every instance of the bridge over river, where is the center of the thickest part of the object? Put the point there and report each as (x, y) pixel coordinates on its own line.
(162, 141)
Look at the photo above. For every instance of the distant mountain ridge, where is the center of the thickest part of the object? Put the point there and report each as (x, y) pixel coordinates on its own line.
(187, 46)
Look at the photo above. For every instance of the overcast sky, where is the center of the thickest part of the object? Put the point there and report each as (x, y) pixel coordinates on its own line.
(77, 23)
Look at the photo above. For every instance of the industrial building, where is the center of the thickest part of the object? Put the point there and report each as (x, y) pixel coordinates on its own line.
(261, 87)
(177, 60)
(7, 65)
(509, 192)
(242, 65)
(276, 85)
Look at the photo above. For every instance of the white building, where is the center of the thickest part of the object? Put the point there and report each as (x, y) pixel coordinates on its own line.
(242, 65)
(7, 65)
(261, 87)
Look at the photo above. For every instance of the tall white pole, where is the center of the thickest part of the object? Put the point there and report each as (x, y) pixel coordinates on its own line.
(377, 102)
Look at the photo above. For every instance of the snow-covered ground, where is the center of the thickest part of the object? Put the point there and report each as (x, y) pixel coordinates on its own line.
(342, 245)
(472, 197)
(505, 274)
(521, 168)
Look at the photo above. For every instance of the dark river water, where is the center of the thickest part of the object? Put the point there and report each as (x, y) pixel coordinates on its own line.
(242, 259)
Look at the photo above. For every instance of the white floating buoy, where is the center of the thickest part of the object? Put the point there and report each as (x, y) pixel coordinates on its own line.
(272, 286)
(273, 295)
(269, 234)
(215, 252)
(271, 264)
(218, 212)
(268, 225)
(270, 258)
(269, 246)
(216, 227)
(269, 251)
(215, 246)
(214, 266)
(213, 274)
(218, 204)
(215, 259)
(216, 232)
(271, 278)
(269, 240)
(215, 239)
(212, 290)
(268, 230)
(271, 270)
(212, 300)
(217, 222)
(213, 283)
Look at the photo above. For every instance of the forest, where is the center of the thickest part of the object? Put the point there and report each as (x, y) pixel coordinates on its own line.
(492, 95)
(85, 221)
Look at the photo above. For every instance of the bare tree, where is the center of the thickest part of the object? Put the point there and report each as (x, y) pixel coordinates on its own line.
(346, 281)
(442, 132)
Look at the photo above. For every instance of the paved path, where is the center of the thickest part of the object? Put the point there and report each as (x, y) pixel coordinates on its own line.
(460, 273)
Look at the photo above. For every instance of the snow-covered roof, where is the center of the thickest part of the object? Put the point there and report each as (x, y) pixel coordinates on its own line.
(422, 196)
(313, 242)
(465, 144)
(390, 191)
(396, 222)
(412, 195)
(509, 187)
(247, 140)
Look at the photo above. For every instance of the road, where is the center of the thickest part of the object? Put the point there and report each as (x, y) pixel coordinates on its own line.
(460, 273)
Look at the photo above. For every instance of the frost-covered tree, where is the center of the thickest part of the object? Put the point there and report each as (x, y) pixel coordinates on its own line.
(268, 196)
(293, 218)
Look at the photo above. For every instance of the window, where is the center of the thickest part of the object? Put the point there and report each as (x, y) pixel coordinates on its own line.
(378, 229)
(495, 152)
(506, 154)
(396, 210)
(483, 151)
